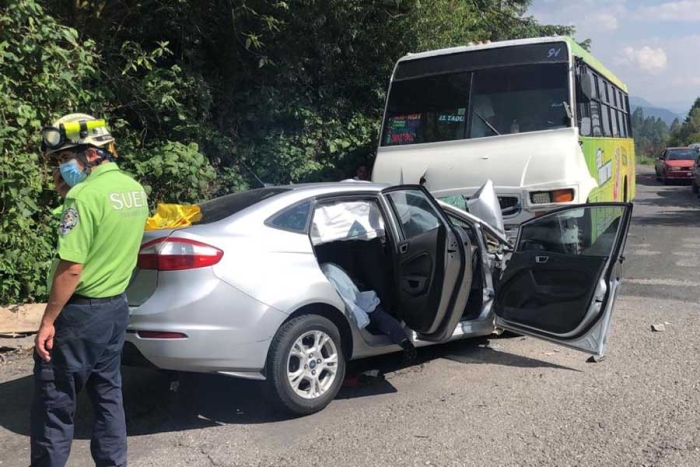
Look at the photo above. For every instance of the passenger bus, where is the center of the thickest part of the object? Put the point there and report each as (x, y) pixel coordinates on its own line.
(541, 118)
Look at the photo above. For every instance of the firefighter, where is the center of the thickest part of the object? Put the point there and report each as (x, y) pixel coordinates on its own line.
(79, 342)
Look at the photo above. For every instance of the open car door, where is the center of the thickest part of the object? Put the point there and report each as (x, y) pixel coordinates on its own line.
(431, 277)
(561, 281)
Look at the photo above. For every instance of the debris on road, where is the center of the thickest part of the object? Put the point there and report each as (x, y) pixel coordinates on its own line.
(658, 327)
(595, 359)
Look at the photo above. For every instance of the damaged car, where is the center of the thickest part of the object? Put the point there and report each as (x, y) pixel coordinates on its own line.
(242, 292)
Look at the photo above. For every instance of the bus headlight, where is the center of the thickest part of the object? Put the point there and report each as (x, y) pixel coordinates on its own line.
(555, 196)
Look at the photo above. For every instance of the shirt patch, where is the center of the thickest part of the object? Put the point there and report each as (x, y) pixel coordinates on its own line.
(69, 220)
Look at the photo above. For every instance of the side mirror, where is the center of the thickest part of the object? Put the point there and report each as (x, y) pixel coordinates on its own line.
(586, 127)
(587, 86)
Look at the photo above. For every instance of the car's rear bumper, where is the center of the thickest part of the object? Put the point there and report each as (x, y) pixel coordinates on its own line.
(224, 330)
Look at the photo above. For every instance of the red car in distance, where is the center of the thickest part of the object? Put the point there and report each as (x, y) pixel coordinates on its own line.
(676, 164)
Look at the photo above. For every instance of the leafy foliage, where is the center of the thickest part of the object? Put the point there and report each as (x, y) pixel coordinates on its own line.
(689, 131)
(207, 98)
(42, 70)
(651, 135)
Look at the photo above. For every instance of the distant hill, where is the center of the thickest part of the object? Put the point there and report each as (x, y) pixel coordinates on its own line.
(650, 110)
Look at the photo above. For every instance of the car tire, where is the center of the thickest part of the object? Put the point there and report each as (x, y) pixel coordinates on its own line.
(304, 331)
(695, 187)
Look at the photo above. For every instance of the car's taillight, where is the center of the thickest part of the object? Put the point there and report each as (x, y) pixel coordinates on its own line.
(177, 254)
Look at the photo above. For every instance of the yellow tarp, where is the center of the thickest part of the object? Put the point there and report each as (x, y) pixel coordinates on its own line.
(173, 216)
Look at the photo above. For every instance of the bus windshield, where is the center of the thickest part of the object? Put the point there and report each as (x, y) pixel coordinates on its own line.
(477, 104)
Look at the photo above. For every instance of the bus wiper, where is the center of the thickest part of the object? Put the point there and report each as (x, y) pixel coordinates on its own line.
(486, 122)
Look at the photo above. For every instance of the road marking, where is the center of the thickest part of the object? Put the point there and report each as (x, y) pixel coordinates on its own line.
(685, 253)
(642, 245)
(669, 282)
(692, 240)
(691, 262)
(646, 253)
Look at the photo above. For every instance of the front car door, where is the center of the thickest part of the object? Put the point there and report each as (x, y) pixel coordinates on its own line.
(561, 281)
(660, 163)
(431, 277)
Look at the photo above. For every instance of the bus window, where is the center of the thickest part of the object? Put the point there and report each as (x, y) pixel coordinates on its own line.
(427, 110)
(613, 121)
(621, 122)
(519, 99)
(598, 88)
(606, 120)
(595, 119)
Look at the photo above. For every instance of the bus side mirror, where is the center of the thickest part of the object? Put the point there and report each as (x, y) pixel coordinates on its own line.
(587, 86)
(586, 129)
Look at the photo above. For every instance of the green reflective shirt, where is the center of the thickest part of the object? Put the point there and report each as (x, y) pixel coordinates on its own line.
(101, 228)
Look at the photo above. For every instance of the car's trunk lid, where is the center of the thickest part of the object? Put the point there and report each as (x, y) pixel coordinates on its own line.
(145, 281)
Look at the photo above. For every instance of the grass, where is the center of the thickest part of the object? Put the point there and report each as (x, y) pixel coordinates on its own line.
(646, 160)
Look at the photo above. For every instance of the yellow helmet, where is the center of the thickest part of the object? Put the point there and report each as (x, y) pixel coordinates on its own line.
(74, 130)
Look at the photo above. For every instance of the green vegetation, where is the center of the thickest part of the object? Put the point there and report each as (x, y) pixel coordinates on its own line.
(651, 136)
(207, 98)
(689, 131)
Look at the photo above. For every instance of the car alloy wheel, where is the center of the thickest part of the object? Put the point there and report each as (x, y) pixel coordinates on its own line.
(305, 365)
(312, 365)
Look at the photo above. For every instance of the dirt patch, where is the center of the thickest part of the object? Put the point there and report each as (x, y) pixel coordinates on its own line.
(20, 319)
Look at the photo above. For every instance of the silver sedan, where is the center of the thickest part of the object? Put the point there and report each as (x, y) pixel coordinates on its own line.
(242, 292)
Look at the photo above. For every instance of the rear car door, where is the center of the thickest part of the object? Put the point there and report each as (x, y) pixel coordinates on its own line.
(432, 282)
(561, 281)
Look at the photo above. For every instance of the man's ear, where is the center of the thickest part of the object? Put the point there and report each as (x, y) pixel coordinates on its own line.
(91, 154)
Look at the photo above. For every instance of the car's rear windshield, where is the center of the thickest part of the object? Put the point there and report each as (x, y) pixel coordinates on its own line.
(225, 206)
(682, 155)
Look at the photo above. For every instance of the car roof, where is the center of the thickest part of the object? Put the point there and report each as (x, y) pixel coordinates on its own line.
(288, 195)
(321, 188)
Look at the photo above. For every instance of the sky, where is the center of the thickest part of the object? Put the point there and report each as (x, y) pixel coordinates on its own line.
(652, 45)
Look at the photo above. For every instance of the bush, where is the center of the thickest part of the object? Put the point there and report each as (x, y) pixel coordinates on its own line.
(42, 70)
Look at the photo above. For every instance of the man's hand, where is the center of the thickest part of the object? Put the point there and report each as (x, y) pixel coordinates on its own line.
(44, 341)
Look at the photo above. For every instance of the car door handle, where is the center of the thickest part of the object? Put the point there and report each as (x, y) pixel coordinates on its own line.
(541, 259)
(403, 248)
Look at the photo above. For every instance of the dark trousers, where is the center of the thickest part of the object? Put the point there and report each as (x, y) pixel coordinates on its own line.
(86, 354)
(387, 324)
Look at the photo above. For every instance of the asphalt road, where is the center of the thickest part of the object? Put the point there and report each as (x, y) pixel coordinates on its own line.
(502, 401)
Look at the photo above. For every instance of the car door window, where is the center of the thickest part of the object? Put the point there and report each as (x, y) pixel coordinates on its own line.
(415, 213)
(294, 219)
(558, 281)
(587, 232)
(346, 220)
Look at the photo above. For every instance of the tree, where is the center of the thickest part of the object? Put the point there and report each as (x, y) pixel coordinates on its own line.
(689, 132)
(209, 97)
(651, 135)
(44, 68)
(675, 125)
